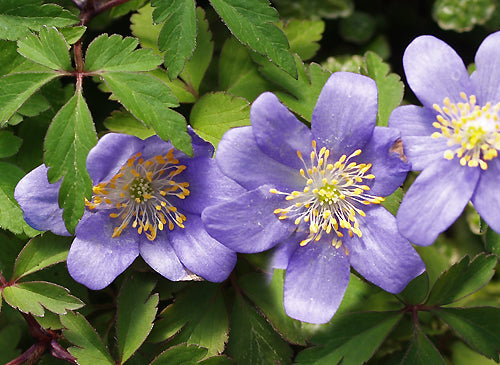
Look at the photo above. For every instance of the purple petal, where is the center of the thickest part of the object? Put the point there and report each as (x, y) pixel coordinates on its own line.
(95, 259)
(278, 133)
(283, 252)
(345, 114)
(247, 224)
(39, 202)
(110, 154)
(382, 255)
(412, 120)
(486, 78)
(435, 71)
(241, 159)
(423, 151)
(200, 253)
(315, 282)
(160, 255)
(207, 185)
(435, 200)
(389, 169)
(486, 198)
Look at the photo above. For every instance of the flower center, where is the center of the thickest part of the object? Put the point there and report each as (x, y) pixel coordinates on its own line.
(332, 196)
(472, 131)
(139, 193)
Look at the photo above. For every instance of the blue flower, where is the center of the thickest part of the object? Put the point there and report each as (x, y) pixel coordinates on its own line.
(147, 200)
(453, 139)
(315, 194)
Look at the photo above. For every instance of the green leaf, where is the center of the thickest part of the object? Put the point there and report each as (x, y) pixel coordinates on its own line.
(32, 297)
(41, 252)
(304, 36)
(238, 74)
(215, 113)
(201, 314)
(48, 48)
(217, 360)
(416, 291)
(9, 58)
(35, 105)
(11, 216)
(252, 23)
(69, 139)
(18, 18)
(422, 351)
(9, 340)
(73, 34)
(144, 29)
(252, 340)
(124, 122)
(125, 8)
(358, 28)
(9, 144)
(393, 201)
(15, 89)
(135, 315)
(178, 34)
(195, 68)
(390, 87)
(269, 299)
(304, 91)
(340, 341)
(149, 100)
(182, 354)
(464, 355)
(89, 348)
(492, 242)
(479, 327)
(115, 53)
(462, 279)
(462, 15)
(183, 92)
(302, 9)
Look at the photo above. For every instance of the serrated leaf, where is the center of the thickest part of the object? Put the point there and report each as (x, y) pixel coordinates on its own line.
(464, 355)
(11, 215)
(215, 113)
(69, 139)
(238, 74)
(303, 36)
(252, 340)
(9, 144)
(422, 351)
(492, 241)
(15, 89)
(73, 34)
(462, 279)
(304, 91)
(135, 315)
(36, 296)
(328, 9)
(18, 18)
(41, 252)
(144, 29)
(182, 354)
(478, 326)
(217, 360)
(183, 92)
(462, 15)
(269, 298)
(341, 340)
(125, 8)
(9, 58)
(252, 23)
(194, 70)
(48, 48)
(115, 53)
(35, 105)
(390, 87)
(416, 291)
(124, 122)
(89, 350)
(201, 314)
(149, 100)
(178, 34)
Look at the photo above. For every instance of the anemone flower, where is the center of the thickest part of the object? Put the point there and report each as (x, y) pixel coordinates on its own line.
(147, 200)
(315, 194)
(453, 139)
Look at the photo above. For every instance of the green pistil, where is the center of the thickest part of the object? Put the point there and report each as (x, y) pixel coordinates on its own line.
(328, 194)
(140, 189)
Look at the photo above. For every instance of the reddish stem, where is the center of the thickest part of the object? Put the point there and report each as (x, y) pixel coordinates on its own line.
(91, 10)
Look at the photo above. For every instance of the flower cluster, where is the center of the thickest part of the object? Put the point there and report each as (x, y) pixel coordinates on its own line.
(147, 200)
(453, 139)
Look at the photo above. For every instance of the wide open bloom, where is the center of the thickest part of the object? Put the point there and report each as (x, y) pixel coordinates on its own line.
(147, 200)
(453, 139)
(315, 193)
